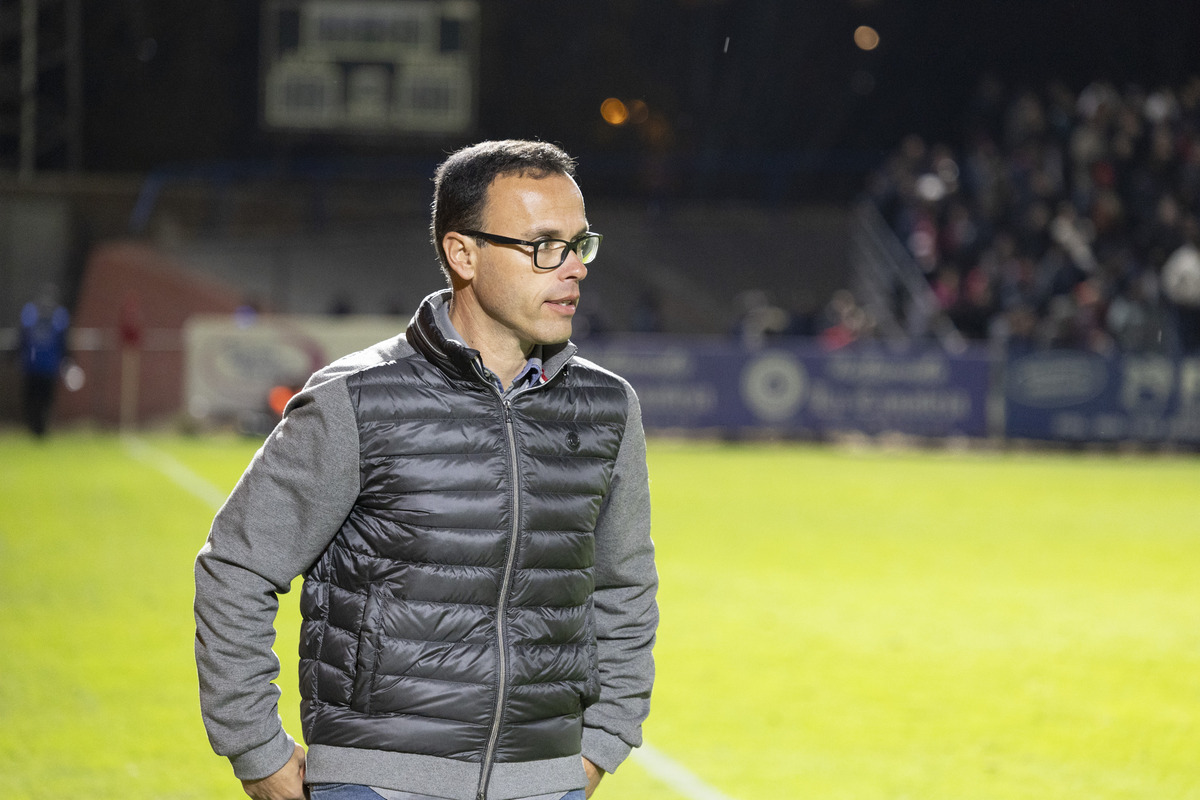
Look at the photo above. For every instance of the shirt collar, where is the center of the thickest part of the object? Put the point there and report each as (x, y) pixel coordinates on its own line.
(530, 375)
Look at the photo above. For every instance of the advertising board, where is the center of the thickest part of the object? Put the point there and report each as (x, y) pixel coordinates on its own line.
(1075, 395)
(796, 386)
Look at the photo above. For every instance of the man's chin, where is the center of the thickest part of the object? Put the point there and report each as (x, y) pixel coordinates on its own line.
(558, 335)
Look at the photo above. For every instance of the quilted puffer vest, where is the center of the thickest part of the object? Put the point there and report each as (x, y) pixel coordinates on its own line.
(451, 616)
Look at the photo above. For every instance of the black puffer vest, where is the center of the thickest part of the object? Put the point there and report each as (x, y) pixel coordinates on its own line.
(451, 616)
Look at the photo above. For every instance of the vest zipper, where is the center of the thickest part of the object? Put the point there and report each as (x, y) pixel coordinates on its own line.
(502, 606)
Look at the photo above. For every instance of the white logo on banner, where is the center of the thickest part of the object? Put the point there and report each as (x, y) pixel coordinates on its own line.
(774, 386)
(1057, 379)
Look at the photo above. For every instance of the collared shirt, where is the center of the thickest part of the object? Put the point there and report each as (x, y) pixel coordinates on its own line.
(530, 375)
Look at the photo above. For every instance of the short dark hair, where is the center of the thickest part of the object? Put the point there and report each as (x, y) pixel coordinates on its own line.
(461, 182)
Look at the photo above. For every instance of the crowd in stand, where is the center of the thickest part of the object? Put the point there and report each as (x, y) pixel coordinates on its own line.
(1061, 218)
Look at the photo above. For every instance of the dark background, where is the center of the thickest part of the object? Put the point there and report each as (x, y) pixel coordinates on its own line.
(171, 82)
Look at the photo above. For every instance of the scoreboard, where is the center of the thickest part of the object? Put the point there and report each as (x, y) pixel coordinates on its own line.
(370, 66)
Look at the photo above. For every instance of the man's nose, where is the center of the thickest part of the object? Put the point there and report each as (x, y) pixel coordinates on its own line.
(573, 267)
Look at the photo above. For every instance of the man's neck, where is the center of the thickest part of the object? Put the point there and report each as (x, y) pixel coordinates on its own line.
(504, 356)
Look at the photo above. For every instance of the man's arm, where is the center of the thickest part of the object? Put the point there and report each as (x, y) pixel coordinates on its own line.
(286, 784)
(626, 613)
(285, 510)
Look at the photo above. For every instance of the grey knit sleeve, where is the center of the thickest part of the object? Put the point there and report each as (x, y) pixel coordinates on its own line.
(626, 611)
(284, 511)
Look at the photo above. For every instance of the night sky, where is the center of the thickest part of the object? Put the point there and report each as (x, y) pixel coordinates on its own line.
(176, 81)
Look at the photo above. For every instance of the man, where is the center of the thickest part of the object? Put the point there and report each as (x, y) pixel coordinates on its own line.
(469, 505)
(43, 346)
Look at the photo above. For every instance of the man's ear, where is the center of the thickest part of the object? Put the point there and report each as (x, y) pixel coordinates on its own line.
(462, 253)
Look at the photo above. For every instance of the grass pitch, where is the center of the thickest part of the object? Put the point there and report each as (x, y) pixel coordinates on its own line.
(835, 624)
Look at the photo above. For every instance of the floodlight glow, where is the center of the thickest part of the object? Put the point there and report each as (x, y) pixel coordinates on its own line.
(639, 112)
(866, 37)
(614, 111)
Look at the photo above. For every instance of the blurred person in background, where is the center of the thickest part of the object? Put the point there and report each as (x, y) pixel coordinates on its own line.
(468, 503)
(1181, 285)
(43, 350)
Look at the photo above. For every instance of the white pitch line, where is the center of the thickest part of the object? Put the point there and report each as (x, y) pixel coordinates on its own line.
(183, 477)
(662, 767)
(679, 778)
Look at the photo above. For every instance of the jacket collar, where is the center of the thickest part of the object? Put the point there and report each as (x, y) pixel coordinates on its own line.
(429, 336)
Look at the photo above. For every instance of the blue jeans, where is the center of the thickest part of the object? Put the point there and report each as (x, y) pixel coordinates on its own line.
(353, 791)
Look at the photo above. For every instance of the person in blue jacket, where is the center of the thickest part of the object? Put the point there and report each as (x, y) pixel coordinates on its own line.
(43, 346)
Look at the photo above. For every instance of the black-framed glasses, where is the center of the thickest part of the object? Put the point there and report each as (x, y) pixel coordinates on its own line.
(550, 253)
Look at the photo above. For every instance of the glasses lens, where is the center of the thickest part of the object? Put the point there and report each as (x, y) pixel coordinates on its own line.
(588, 247)
(550, 253)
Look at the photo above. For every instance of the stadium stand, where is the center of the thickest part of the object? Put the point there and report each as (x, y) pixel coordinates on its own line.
(1059, 219)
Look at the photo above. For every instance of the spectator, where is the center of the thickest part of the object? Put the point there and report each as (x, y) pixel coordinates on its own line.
(758, 318)
(1181, 285)
(43, 347)
(844, 321)
(1134, 318)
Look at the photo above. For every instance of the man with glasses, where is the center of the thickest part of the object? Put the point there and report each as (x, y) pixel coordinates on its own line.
(469, 505)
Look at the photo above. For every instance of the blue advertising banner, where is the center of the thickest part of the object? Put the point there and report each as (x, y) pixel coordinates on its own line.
(1072, 395)
(797, 386)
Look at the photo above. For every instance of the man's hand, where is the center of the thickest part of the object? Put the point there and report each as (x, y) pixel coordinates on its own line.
(594, 774)
(286, 784)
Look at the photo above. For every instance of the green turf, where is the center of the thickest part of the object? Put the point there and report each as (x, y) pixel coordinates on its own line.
(836, 624)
